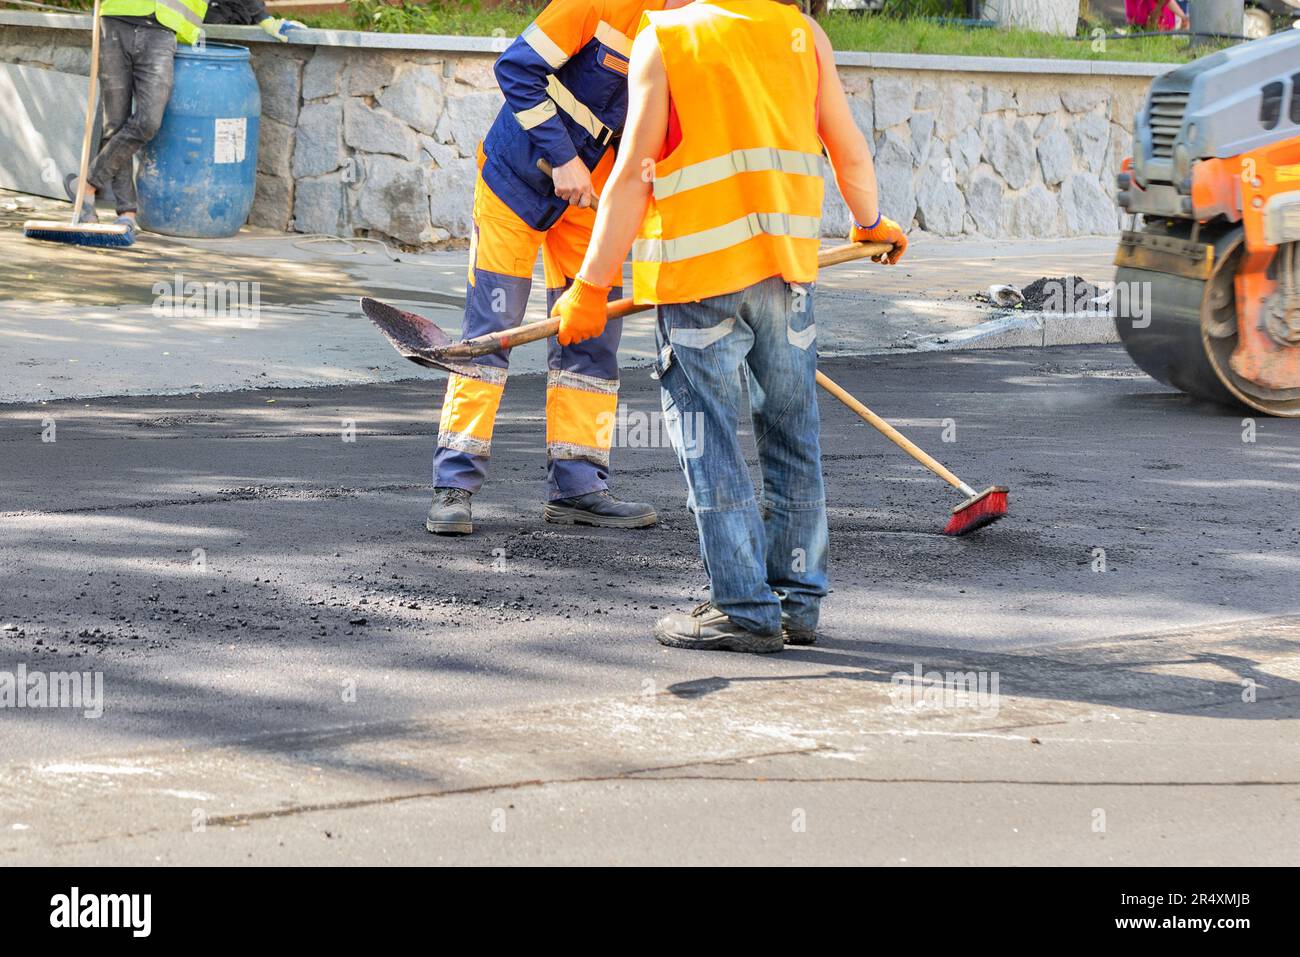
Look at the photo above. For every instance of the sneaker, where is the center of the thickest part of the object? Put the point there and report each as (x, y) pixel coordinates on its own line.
(449, 513)
(707, 628)
(793, 634)
(601, 510)
(130, 225)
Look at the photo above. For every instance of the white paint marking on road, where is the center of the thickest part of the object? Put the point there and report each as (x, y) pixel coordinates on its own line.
(94, 769)
(902, 733)
(187, 795)
(793, 736)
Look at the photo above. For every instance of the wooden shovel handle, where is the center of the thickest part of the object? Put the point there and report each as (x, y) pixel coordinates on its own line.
(529, 332)
(532, 331)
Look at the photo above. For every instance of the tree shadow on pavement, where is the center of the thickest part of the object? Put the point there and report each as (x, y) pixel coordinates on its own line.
(298, 526)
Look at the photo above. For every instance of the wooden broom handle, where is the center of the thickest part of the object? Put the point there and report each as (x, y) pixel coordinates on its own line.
(91, 93)
(891, 433)
(848, 252)
(532, 331)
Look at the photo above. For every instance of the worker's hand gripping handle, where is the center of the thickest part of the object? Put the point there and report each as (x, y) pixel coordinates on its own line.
(549, 170)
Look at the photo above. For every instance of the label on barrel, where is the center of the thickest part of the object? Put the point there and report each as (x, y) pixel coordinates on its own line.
(229, 142)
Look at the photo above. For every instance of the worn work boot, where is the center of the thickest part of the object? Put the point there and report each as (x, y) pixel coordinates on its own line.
(601, 510)
(793, 634)
(708, 629)
(450, 514)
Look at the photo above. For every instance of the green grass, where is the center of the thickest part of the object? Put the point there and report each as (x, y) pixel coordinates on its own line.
(883, 34)
(454, 17)
(889, 35)
(878, 33)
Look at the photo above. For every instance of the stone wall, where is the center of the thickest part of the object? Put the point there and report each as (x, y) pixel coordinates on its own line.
(997, 155)
(381, 141)
(369, 142)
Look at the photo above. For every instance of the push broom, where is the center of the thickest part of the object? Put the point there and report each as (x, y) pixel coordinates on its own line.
(82, 234)
(421, 341)
(979, 509)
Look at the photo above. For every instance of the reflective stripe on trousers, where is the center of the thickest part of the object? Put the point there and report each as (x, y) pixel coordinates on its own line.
(582, 382)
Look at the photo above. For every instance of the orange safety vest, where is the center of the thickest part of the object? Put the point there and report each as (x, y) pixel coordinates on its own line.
(739, 198)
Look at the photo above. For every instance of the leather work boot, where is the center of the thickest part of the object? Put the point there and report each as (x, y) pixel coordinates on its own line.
(708, 629)
(449, 514)
(601, 510)
(793, 634)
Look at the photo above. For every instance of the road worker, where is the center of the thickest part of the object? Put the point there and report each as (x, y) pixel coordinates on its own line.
(137, 47)
(565, 85)
(731, 104)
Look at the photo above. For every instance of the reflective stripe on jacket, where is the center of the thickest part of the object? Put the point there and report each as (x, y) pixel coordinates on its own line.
(739, 197)
(182, 17)
(565, 84)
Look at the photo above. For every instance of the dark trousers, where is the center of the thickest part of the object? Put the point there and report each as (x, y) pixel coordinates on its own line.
(135, 63)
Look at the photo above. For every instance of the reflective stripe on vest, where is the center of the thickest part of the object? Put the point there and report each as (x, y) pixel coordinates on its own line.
(755, 160)
(182, 17)
(724, 237)
(177, 6)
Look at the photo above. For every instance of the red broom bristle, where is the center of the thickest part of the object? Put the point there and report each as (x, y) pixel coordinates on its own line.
(983, 511)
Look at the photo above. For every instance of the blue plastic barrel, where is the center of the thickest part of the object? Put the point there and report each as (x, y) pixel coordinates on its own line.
(197, 176)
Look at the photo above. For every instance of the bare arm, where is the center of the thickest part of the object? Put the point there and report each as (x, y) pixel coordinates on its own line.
(850, 156)
(627, 194)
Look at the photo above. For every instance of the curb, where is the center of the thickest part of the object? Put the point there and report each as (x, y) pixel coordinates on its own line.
(1020, 330)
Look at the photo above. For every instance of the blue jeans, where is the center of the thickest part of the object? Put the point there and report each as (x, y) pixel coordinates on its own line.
(760, 561)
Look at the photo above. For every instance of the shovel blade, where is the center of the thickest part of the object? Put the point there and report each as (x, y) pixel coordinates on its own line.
(415, 337)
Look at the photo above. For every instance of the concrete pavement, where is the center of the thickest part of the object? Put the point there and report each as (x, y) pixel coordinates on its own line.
(1132, 751)
(294, 671)
(282, 310)
(219, 516)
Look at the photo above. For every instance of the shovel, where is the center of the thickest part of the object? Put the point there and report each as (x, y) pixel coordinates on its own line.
(421, 341)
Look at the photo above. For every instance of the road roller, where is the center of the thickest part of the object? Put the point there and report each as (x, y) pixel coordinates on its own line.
(1213, 193)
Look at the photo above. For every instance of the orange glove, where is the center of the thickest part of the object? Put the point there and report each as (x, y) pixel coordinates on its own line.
(582, 312)
(886, 231)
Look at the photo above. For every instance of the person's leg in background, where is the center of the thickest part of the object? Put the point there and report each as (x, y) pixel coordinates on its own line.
(138, 64)
(582, 392)
(787, 429)
(153, 62)
(115, 43)
(703, 347)
(503, 249)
